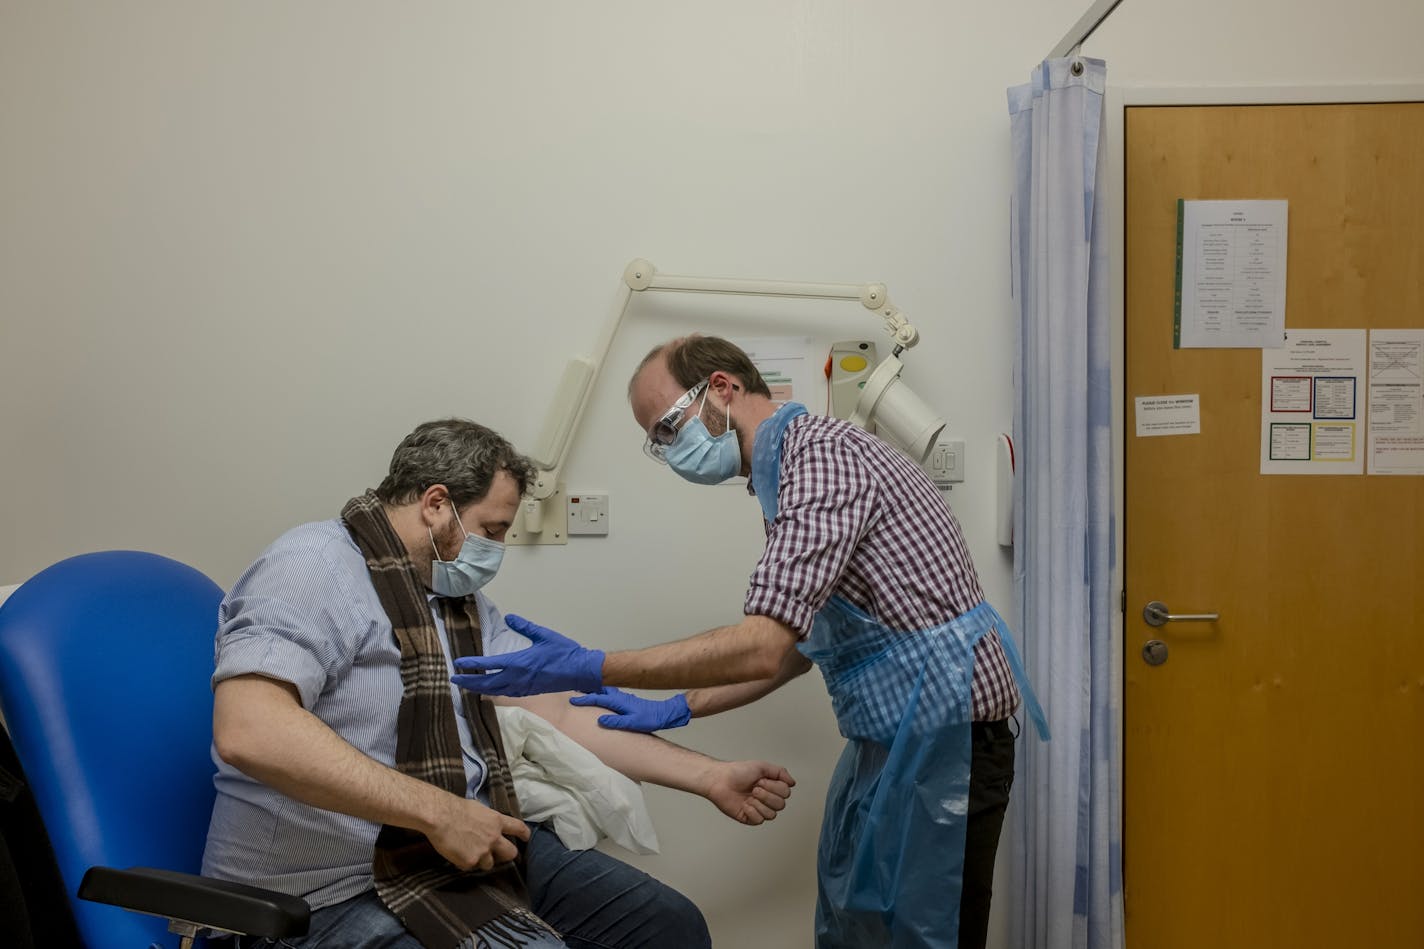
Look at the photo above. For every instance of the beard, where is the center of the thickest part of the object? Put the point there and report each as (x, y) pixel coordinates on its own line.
(715, 420)
(448, 541)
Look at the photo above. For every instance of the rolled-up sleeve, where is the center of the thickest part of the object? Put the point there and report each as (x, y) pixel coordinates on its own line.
(289, 617)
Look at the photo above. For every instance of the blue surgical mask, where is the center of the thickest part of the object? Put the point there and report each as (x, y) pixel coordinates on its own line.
(702, 458)
(474, 566)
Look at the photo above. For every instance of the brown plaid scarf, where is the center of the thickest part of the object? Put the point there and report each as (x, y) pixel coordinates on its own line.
(440, 904)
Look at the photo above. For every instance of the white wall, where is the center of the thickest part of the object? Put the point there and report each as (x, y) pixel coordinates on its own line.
(244, 248)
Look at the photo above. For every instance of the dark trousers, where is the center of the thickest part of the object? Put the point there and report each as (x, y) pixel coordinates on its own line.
(991, 775)
(596, 901)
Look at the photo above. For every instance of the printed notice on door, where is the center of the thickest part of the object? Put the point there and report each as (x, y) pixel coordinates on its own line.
(1231, 274)
(1168, 415)
(1396, 429)
(1312, 413)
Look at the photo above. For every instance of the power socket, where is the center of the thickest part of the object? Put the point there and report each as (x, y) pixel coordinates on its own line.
(945, 462)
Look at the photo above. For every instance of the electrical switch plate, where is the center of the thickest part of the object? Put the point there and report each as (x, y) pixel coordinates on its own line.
(588, 514)
(945, 462)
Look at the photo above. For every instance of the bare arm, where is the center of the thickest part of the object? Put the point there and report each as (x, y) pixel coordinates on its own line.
(720, 698)
(754, 649)
(748, 791)
(261, 728)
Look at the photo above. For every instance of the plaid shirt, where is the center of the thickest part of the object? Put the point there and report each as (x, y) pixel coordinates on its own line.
(858, 519)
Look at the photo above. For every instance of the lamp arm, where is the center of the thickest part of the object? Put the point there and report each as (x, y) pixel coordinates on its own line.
(581, 374)
(641, 275)
(565, 413)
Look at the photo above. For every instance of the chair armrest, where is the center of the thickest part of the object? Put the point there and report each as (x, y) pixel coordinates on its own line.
(215, 904)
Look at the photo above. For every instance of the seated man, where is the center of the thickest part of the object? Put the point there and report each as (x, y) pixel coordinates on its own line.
(352, 773)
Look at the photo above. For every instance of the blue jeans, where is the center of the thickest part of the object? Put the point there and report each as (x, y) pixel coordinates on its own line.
(596, 901)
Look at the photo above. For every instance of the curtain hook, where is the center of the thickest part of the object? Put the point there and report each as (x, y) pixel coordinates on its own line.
(1077, 66)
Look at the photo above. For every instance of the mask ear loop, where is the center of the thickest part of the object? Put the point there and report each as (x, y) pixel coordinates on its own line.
(433, 545)
(728, 409)
(702, 403)
(455, 511)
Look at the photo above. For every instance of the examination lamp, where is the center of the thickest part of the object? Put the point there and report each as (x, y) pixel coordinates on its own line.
(886, 405)
(890, 408)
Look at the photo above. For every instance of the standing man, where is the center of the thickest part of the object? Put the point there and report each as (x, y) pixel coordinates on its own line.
(351, 773)
(864, 573)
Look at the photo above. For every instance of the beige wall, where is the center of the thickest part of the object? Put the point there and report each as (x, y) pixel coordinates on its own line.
(245, 247)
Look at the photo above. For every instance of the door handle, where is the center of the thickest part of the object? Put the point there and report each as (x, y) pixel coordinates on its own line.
(1156, 613)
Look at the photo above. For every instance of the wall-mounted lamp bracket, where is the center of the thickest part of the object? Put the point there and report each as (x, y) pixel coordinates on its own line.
(580, 376)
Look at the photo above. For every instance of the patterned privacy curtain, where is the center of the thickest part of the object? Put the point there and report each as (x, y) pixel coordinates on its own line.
(1064, 837)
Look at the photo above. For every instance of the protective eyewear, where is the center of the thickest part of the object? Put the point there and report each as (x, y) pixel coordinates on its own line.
(664, 430)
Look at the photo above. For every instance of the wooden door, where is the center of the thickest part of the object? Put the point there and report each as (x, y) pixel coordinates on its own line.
(1274, 764)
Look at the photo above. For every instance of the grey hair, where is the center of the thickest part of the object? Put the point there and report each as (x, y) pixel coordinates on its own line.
(462, 455)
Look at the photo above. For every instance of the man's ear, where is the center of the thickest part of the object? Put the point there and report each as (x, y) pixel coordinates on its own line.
(432, 502)
(724, 384)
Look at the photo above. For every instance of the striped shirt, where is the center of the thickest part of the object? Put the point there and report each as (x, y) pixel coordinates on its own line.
(306, 613)
(858, 519)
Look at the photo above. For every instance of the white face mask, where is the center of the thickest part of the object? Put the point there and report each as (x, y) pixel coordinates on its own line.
(474, 566)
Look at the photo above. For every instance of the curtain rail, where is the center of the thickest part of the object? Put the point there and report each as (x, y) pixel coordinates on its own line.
(1084, 28)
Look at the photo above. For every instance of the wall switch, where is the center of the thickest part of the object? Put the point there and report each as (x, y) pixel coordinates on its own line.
(945, 462)
(588, 514)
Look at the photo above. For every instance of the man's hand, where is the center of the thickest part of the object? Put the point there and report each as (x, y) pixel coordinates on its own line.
(552, 663)
(749, 792)
(635, 713)
(475, 837)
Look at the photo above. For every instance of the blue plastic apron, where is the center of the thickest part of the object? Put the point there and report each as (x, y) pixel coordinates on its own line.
(890, 862)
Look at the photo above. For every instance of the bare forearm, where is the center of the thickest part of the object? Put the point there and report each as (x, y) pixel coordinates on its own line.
(639, 756)
(747, 791)
(648, 757)
(721, 698)
(752, 650)
(710, 701)
(261, 729)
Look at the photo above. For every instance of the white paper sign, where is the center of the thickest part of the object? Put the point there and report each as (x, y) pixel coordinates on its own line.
(1396, 430)
(1312, 413)
(784, 366)
(1168, 415)
(1231, 274)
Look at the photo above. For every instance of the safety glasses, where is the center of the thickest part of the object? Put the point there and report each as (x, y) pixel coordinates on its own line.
(664, 430)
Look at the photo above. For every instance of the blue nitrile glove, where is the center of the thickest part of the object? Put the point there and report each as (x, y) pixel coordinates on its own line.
(552, 663)
(635, 713)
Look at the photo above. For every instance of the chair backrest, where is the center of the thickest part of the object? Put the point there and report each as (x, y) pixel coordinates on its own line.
(105, 662)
